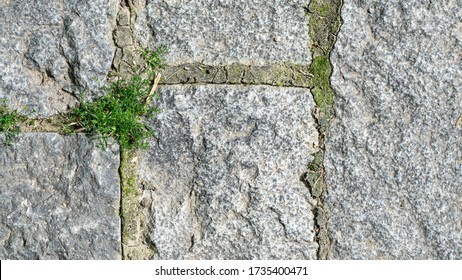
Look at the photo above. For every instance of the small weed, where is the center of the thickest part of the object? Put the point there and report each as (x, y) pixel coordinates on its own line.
(119, 113)
(154, 60)
(9, 122)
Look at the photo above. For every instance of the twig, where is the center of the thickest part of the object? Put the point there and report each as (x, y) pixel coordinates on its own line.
(459, 120)
(154, 87)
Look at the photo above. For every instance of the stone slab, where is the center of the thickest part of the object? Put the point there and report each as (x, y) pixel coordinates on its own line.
(59, 198)
(258, 32)
(50, 51)
(222, 179)
(393, 157)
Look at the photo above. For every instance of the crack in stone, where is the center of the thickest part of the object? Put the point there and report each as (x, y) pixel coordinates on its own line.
(135, 243)
(325, 23)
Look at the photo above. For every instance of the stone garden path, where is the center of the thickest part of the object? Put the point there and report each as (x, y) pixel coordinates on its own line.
(251, 158)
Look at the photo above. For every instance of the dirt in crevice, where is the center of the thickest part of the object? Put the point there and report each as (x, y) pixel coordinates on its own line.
(324, 24)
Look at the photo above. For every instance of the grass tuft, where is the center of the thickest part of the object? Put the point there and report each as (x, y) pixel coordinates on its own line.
(119, 113)
(9, 122)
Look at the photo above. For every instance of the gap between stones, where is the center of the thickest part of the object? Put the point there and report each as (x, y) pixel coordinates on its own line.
(324, 24)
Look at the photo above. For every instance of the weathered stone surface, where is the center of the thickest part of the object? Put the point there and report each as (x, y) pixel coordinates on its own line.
(222, 32)
(51, 50)
(222, 176)
(394, 156)
(59, 198)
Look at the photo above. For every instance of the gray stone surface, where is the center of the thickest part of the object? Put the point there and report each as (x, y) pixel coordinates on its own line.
(51, 50)
(257, 32)
(59, 198)
(222, 176)
(394, 155)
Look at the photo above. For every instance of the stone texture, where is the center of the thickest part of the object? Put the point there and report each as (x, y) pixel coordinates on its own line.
(393, 158)
(257, 32)
(222, 176)
(52, 50)
(59, 198)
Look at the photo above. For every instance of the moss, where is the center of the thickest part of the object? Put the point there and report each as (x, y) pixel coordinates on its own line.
(316, 163)
(278, 74)
(324, 24)
(129, 187)
(321, 69)
(322, 92)
(314, 175)
(235, 73)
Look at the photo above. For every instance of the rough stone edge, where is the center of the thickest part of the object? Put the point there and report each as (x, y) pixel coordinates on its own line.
(324, 24)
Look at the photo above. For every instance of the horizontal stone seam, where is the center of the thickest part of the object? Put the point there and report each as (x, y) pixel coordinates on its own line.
(231, 84)
(280, 74)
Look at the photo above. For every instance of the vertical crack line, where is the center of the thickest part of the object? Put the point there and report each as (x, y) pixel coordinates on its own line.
(324, 24)
(120, 204)
(122, 164)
